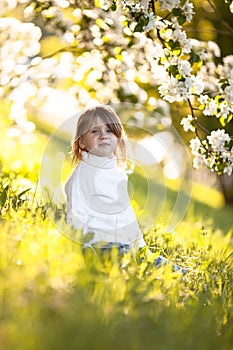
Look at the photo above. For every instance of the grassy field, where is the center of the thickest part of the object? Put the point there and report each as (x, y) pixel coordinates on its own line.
(54, 297)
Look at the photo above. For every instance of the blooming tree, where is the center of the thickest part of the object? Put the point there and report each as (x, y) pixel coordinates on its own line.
(120, 50)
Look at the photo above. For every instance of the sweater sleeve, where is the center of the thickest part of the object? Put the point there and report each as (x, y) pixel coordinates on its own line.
(72, 216)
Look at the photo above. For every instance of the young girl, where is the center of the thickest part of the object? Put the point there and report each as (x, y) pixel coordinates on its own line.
(97, 194)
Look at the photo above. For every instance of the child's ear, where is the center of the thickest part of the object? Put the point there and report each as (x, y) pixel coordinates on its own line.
(81, 143)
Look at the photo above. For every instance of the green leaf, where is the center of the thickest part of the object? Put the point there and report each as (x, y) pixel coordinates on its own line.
(138, 27)
(114, 7)
(172, 44)
(224, 83)
(177, 11)
(173, 69)
(3, 197)
(87, 237)
(194, 57)
(23, 192)
(181, 19)
(224, 86)
(143, 21)
(221, 167)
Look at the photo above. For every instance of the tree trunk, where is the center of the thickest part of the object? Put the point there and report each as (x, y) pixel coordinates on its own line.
(226, 186)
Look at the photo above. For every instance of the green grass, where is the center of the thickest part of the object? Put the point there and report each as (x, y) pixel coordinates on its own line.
(54, 297)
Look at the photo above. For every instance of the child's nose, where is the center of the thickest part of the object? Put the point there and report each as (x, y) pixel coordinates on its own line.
(103, 134)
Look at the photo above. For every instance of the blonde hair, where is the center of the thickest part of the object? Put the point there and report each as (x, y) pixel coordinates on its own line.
(109, 117)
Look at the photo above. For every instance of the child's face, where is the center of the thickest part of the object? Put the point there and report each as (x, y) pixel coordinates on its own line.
(99, 140)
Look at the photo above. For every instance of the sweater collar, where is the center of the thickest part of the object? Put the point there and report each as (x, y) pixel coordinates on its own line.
(99, 162)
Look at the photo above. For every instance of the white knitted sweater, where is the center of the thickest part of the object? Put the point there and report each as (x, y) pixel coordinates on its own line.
(98, 202)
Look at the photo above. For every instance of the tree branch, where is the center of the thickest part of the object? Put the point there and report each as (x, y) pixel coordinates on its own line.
(152, 6)
(64, 49)
(226, 24)
(195, 118)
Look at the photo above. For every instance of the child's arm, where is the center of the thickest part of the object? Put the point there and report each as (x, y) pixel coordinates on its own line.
(73, 218)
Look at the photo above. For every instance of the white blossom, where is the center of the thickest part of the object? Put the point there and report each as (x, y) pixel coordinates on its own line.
(198, 161)
(198, 84)
(152, 22)
(169, 4)
(184, 67)
(228, 168)
(180, 35)
(195, 145)
(188, 10)
(224, 109)
(28, 77)
(6, 6)
(217, 140)
(186, 123)
(212, 46)
(210, 107)
(209, 161)
(203, 99)
(228, 92)
(231, 7)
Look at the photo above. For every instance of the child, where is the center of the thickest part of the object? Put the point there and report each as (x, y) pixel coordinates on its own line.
(97, 195)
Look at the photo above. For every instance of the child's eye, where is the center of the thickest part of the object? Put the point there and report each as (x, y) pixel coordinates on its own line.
(94, 131)
(109, 130)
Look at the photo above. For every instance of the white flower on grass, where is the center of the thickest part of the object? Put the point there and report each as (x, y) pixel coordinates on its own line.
(186, 123)
(217, 140)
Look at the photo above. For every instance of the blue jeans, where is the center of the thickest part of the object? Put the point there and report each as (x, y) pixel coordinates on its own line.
(160, 261)
(107, 248)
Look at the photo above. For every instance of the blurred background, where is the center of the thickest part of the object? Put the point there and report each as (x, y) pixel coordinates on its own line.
(57, 60)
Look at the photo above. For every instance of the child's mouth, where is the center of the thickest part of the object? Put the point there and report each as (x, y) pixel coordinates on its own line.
(104, 144)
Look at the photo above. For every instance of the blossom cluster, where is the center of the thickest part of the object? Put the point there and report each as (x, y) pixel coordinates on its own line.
(213, 152)
(19, 42)
(152, 50)
(191, 75)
